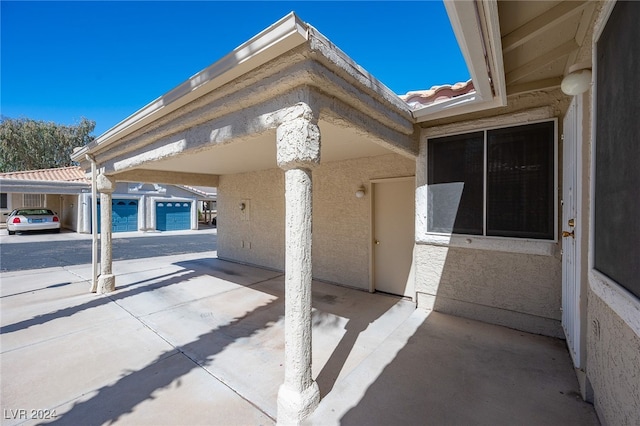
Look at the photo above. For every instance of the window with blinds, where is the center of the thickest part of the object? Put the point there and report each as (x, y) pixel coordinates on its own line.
(456, 169)
(497, 182)
(33, 200)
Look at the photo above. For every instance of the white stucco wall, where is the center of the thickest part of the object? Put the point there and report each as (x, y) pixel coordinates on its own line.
(16, 200)
(254, 235)
(69, 212)
(613, 352)
(54, 202)
(341, 221)
(520, 291)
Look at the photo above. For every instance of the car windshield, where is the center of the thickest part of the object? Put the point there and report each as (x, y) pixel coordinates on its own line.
(32, 212)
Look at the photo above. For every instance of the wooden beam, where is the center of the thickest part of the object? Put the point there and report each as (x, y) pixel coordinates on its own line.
(167, 177)
(533, 86)
(541, 61)
(541, 24)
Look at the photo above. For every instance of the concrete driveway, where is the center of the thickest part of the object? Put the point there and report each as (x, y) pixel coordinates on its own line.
(194, 340)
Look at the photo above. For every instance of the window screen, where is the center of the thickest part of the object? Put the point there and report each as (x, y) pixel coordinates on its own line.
(455, 184)
(33, 200)
(520, 181)
(617, 149)
(495, 182)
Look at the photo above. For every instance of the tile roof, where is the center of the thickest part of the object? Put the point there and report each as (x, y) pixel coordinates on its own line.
(60, 174)
(437, 94)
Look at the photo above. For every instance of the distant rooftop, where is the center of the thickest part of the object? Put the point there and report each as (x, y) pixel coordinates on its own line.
(436, 94)
(60, 174)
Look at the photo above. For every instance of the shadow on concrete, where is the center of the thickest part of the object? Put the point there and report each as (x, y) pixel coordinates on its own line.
(333, 306)
(358, 320)
(177, 277)
(113, 401)
(31, 291)
(455, 371)
(328, 307)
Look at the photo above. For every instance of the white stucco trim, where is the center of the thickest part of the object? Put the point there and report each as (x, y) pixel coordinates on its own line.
(619, 300)
(481, 242)
(530, 116)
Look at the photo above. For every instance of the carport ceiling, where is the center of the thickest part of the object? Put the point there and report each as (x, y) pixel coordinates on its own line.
(259, 152)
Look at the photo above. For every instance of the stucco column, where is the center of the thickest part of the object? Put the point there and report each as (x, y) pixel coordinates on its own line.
(298, 147)
(106, 279)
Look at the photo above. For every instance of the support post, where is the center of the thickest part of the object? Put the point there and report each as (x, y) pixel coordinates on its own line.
(298, 150)
(106, 280)
(94, 225)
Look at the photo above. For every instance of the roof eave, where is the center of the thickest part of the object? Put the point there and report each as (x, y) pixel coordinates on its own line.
(286, 34)
(32, 186)
(477, 29)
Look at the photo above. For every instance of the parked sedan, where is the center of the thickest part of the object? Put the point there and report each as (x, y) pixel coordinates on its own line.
(32, 219)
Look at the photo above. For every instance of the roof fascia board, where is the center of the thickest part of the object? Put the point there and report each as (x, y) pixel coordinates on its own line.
(458, 106)
(7, 182)
(464, 19)
(493, 41)
(477, 29)
(30, 186)
(286, 34)
(200, 194)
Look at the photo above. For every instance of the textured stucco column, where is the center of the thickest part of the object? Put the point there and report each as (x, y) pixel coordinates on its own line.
(298, 146)
(106, 279)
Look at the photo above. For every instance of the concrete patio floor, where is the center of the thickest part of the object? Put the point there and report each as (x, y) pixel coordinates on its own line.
(194, 340)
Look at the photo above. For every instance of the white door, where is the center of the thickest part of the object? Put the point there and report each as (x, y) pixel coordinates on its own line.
(393, 236)
(571, 308)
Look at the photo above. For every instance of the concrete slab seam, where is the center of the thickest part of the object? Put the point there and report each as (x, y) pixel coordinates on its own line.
(194, 361)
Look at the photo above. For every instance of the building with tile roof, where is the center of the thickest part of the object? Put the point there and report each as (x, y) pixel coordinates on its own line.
(60, 174)
(136, 206)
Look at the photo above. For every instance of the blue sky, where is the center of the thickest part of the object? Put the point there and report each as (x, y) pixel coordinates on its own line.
(61, 61)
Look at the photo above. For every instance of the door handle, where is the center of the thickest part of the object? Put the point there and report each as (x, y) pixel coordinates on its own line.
(376, 242)
(565, 234)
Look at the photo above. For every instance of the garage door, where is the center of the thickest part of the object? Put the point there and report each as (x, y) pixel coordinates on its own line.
(124, 215)
(172, 216)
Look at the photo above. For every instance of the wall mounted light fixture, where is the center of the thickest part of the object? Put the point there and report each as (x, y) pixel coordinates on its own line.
(360, 192)
(577, 81)
(242, 206)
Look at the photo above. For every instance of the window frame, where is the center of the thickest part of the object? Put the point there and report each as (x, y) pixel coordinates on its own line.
(515, 244)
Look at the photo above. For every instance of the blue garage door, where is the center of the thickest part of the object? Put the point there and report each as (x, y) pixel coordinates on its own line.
(124, 215)
(173, 216)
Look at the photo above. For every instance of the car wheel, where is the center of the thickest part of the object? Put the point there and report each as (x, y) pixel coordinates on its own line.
(12, 232)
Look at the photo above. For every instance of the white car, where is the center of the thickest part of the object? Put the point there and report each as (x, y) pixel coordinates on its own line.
(32, 219)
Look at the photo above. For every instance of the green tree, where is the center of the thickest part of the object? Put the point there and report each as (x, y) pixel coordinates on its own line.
(27, 144)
